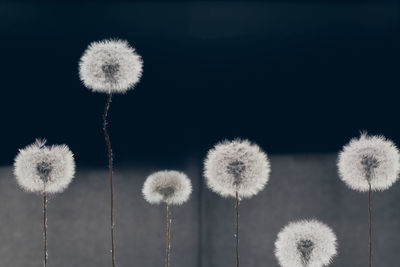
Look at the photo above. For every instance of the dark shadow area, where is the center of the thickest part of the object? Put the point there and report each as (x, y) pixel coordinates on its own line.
(294, 76)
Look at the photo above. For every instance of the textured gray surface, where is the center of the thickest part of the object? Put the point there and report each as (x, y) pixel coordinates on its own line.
(300, 187)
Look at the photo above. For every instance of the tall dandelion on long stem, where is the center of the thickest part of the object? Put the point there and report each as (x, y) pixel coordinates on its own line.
(367, 164)
(110, 66)
(171, 188)
(237, 169)
(45, 170)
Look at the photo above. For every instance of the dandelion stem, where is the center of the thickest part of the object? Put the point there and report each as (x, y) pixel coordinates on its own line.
(370, 226)
(168, 247)
(237, 229)
(110, 167)
(45, 229)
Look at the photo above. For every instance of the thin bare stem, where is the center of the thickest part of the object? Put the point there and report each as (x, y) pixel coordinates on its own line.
(110, 167)
(45, 229)
(370, 226)
(237, 229)
(168, 246)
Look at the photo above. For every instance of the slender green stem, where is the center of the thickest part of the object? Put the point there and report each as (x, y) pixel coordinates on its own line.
(110, 167)
(237, 230)
(370, 226)
(168, 246)
(45, 229)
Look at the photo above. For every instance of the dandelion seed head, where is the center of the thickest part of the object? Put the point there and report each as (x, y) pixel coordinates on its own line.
(305, 243)
(369, 160)
(110, 66)
(236, 166)
(40, 168)
(170, 187)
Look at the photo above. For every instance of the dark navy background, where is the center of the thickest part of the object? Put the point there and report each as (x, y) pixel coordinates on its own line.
(293, 76)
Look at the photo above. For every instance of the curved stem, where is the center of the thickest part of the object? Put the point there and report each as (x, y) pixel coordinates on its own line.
(168, 247)
(237, 229)
(45, 229)
(370, 227)
(110, 167)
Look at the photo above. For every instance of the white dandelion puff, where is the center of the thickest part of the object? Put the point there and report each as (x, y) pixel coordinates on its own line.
(170, 187)
(110, 66)
(369, 161)
(236, 167)
(305, 243)
(40, 168)
(44, 169)
(366, 164)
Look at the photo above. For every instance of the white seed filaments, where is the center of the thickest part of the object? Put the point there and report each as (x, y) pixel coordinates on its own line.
(306, 243)
(236, 167)
(366, 164)
(110, 66)
(44, 169)
(170, 187)
(40, 168)
(369, 161)
(305, 247)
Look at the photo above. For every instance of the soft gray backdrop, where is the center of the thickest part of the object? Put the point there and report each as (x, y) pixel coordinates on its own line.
(301, 186)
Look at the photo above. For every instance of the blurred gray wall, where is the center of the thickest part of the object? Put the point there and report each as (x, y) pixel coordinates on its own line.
(301, 186)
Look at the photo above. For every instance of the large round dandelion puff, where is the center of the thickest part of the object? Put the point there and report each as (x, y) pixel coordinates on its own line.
(306, 243)
(41, 168)
(236, 167)
(369, 161)
(110, 66)
(44, 169)
(171, 188)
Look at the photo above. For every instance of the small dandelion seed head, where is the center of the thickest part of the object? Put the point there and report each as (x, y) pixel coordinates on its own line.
(369, 160)
(305, 243)
(236, 166)
(170, 187)
(40, 168)
(110, 66)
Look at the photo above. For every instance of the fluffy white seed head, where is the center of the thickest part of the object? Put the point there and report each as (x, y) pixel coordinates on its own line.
(369, 160)
(40, 168)
(236, 166)
(110, 66)
(170, 187)
(306, 243)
